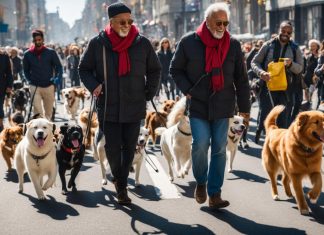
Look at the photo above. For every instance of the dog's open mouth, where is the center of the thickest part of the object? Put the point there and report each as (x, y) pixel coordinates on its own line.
(75, 143)
(317, 136)
(239, 132)
(40, 141)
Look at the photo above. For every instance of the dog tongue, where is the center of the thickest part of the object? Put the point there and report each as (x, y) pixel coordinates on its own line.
(40, 142)
(75, 143)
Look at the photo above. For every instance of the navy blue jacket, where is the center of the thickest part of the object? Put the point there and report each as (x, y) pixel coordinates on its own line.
(5, 74)
(40, 72)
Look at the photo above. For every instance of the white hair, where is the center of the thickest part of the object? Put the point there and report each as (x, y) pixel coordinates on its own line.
(216, 7)
(310, 42)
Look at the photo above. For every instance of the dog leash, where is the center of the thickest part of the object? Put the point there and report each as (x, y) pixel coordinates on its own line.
(31, 105)
(158, 113)
(150, 162)
(89, 118)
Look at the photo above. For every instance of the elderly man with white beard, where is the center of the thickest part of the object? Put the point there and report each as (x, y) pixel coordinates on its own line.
(208, 68)
(121, 69)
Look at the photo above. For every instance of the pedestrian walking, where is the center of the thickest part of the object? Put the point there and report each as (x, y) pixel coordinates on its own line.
(120, 67)
(208, 67)
(281, 46)
(43, 70)
(72, 64)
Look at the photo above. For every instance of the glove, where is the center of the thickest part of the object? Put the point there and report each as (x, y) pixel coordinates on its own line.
(246, 119)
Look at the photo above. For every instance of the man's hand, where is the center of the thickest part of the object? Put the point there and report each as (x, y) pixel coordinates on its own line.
(246, 119)
(265, 76)
(96, 92)
(287, 62)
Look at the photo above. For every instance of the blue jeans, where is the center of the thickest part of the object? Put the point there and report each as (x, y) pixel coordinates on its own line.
(204, 134)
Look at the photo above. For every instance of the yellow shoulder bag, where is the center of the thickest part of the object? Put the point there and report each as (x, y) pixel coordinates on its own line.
(278, 80)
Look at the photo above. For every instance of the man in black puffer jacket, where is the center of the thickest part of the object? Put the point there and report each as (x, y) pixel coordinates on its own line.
(132, 78)
(208, 68)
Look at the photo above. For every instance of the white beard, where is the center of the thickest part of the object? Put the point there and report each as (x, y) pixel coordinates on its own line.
(123, 34)
(217, 35)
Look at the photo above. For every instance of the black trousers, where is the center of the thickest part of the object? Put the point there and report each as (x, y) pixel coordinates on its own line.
(121, 140)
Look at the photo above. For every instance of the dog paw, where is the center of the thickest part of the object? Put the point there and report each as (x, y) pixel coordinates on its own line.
(64, 191)
(20, 191)
(276, 197)
(137, 184)
(312, 200)
(104, 182)
(74, 189)
(304, 211)
(171, 179)
(42, 198)
(230, 170)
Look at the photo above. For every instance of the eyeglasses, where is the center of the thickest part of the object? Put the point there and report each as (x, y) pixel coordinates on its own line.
(124, 22)
(220, 23)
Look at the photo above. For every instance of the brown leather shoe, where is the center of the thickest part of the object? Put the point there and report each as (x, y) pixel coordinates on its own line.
(122, 198)
(216, 202)
(200, 193)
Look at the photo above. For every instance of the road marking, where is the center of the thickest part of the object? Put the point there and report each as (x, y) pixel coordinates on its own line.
(163, 187)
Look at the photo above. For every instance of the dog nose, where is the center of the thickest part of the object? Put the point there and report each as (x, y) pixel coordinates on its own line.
(242, 127)
(67, 95)
(76, 135)
(40, 134)
(141, 141)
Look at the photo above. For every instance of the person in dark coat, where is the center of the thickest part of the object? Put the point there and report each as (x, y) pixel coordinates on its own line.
(132, 77)
(43, 70)
(72, 65)
(165, 55)
(208, 67)
(6, 82)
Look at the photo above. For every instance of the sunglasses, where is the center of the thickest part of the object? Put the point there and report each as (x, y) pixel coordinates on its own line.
(220, 23)
(124, 22)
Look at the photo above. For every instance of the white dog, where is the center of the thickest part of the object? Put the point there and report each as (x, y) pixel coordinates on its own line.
(234, 134)
(71, 101)
(36, 153)
(176, 140)
(99, 153)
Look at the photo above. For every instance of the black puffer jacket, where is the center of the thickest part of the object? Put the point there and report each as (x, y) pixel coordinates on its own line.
(6, 79)
(188, 66)
(127, 95)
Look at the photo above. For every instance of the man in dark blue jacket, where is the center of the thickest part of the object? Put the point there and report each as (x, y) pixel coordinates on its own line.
(6, 81)
(120, 67)
(208, 67)
(43, 70)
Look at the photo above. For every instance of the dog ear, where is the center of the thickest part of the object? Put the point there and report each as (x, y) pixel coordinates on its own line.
(63, 128)
(4, 134)
(54, 128)
(302, 119)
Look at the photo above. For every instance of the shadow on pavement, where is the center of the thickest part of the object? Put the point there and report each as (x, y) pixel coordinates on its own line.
(161, 225)
(145, 192)
(246, 226)
(188, 189)
(11, 176)
(252, 152)
(248, 176)
(56, 210)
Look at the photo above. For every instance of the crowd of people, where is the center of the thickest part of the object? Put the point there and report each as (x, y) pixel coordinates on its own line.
(124, 69)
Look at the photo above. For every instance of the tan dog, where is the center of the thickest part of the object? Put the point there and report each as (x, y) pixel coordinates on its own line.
(154, 120)
(36, 153)
(9, 138)
(296, 151)
(83, 122)
(72, 97)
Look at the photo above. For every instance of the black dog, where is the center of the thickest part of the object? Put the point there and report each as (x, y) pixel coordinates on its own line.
(20, 100)
(70, 154)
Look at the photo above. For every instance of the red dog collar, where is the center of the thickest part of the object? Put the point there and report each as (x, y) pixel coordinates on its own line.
(70, 150)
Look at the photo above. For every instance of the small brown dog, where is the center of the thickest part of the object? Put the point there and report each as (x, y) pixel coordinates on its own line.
(154, 120)
(297, 152)
(83, 122)
(9, 138)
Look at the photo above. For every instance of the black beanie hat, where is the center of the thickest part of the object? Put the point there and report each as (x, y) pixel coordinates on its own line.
(117, 8)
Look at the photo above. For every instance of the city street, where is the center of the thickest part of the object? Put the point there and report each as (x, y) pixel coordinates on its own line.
(159, 207)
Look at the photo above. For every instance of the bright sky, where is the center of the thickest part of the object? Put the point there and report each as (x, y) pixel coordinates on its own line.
(70, 10)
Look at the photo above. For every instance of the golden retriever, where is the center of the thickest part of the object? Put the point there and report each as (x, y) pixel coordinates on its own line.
(36, 153)
(9, 138)
(297, 152)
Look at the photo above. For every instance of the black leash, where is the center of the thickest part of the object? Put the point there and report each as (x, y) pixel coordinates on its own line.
(158, 113)
(92, 106)
(150, 162)
(31, 105)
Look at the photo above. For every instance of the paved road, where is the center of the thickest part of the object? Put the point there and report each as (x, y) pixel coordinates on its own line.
(93, 209)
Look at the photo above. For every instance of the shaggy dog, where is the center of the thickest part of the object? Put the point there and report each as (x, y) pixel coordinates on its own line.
(36, 154)
(69, 154)
(20, 100)
(9, 138)
(176, 140)
(154, 120)
(99, 153)
(297, 152)
(234, 134)
(72, 97)
(84, 122)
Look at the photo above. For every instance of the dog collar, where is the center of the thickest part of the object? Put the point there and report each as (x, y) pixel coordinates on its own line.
(184, 133)
(305, 148)
(70, 150)
(37, 158)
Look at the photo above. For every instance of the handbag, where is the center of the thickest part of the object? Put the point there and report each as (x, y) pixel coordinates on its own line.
(278, 78)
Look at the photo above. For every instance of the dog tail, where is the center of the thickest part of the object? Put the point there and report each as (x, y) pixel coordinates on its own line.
(159, 130)
(270, 122)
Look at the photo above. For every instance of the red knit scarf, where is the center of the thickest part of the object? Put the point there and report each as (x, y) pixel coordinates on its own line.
(121, 46)
(216, 51)
(37, 51)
